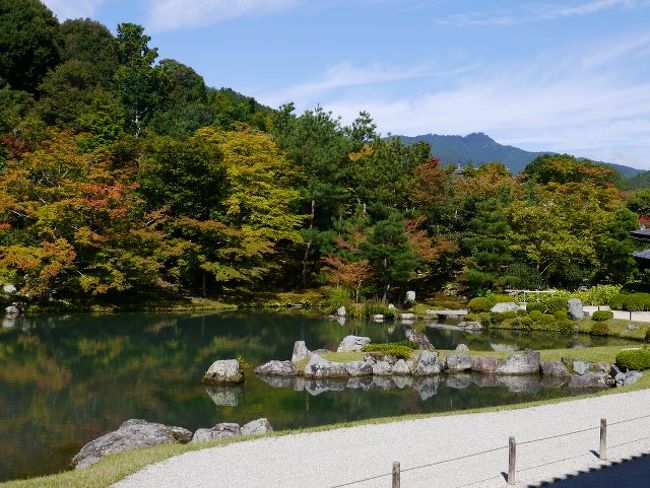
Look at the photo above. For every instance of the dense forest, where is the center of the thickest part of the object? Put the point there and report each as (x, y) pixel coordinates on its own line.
(124, 174)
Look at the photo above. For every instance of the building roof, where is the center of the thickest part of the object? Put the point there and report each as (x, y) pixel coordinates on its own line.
(641, 234)
(645, 254)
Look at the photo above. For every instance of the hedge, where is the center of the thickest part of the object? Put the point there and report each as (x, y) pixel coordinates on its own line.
(401, 349)
(637, 359)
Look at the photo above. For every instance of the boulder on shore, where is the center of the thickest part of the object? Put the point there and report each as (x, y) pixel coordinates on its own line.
(382, 368)
(358, 368)
(629, 378)
(341, 311)
(300, 351)
(575, 309)
(588, 381)
(132, 434)
(462, 348)
(318, 367)
(219, 431)
(505, 307)
(224, 372)
(353, 343)
(485, 365)
(458, 363)
(277, 368)
(526, 363)
(470, 325)
(428, 363)
(419, 338)
(257, 427)
(554, 369)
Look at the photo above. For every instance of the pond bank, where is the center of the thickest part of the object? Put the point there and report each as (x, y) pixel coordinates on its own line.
(336, 457)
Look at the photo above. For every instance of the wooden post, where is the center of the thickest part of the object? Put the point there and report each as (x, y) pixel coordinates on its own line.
(396, 474)
(602, 453)
(512, 460)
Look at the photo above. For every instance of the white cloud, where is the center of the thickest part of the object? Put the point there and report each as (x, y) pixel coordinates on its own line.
(535, 12)
(598, 110)
(176, 14)
(73, 9)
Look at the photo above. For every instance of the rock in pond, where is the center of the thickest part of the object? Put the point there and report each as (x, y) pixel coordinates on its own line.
(277, 368)
(257, 427)
(219, 431)
(526, 363)
(470, 325)
(317, 367)
(382, 368)
(575, 309)
(419, 338)
(588, 381)
(341, 311)
(378, 317)
(428, 363)
(485, 365)
(353, 343)
(458, 363)
(358, 368)
(505, 307)
(401, 367)
(410, 296)
(407, 316)
(554, 369)
(224, 372)
(132, 434)
(300, 351)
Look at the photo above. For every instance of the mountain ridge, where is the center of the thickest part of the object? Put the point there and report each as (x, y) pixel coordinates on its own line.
(478, 148)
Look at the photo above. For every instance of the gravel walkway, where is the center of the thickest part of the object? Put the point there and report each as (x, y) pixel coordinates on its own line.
(342, 456)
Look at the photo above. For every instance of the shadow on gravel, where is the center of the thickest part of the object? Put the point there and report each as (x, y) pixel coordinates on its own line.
(629, 473)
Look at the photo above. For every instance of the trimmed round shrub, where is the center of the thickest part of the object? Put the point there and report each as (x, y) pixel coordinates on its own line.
(535, 315)
(602, 315)
(599, 329)
(557, 304)
(472, 317)
(637, 302)
(561, 315)
(479, 304)
(637, 359)
(616, 302)
(519, 323)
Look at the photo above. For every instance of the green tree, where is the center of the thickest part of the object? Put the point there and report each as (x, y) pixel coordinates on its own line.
(29, 43)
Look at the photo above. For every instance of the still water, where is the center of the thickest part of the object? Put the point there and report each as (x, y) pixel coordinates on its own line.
(67, 380)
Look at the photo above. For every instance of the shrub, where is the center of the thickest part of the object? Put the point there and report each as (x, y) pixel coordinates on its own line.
(598, 295)
(335, 298)
(638, 359)
(637, 302)
(556, 304)
(535, 315)
(532, 307)
(473, 317)
(599, 329)
(561, 315)
(518, 323)
(479, 304)
(647, 335)
(484, 318)
(401, 349)
(616, 302)
(502, 299)
(372, 307)
(566, 326)
(602, 315)
(498, 318)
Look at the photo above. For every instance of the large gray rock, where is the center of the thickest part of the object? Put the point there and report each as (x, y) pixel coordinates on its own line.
(428, 363)
(132, 434)
(224, 372)
(257, 427)
(401, 367)
(12, 311)
(588, 381)
(341, 311)
(505, 307)
(554, 369)
(410, 296)
(582, 367)
(629, 378)
(575, 309)
(353, 343)
(419, 338)
(382, 368)
(485, 365)
(219, 431)
(300, 351)
(457, 363)
(526, 363)
(317, 367)
(277, 368)
(470, 325)
(9, 289)
(358, 368)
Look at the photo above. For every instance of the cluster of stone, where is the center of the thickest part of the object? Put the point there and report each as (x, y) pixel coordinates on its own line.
(137, 433)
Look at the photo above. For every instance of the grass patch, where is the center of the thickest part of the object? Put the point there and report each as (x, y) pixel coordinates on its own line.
(118, 466)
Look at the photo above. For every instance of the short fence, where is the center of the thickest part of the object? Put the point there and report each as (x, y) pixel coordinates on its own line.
(511, 447)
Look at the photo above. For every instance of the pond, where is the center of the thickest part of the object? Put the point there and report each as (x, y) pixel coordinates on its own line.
(67, 380)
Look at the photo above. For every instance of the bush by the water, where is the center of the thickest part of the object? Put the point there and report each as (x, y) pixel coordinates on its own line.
(638, 359)
(602, 315)
(335, 298)
(600, 329)
(557, 304)
(372, 307)
(479, 304)
(401, 349)
(532, 307)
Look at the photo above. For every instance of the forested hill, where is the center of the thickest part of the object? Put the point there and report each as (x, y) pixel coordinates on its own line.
(479, 148)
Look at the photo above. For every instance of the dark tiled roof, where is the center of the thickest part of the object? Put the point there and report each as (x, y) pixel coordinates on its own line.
(645, 254)
(641, 234)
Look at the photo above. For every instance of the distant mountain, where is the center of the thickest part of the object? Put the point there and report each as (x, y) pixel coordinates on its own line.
(640, 181)
(478, 149)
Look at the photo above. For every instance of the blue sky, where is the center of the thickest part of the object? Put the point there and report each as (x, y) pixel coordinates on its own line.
(561, 75)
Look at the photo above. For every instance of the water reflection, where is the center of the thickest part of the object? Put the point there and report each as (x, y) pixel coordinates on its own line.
(66, 380)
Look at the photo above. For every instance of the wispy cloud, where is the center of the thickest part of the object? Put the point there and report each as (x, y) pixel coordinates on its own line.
(176, 14)
(536, 12)
(73, 9)
(599, 110)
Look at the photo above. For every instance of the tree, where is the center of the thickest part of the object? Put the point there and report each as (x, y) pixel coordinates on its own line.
(29, 43)
(564, 168)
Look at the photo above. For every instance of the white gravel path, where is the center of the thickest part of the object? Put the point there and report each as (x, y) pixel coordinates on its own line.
(340, 456)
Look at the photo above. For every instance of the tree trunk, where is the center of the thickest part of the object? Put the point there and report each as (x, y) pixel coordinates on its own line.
(386, 292)
(309, 243)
